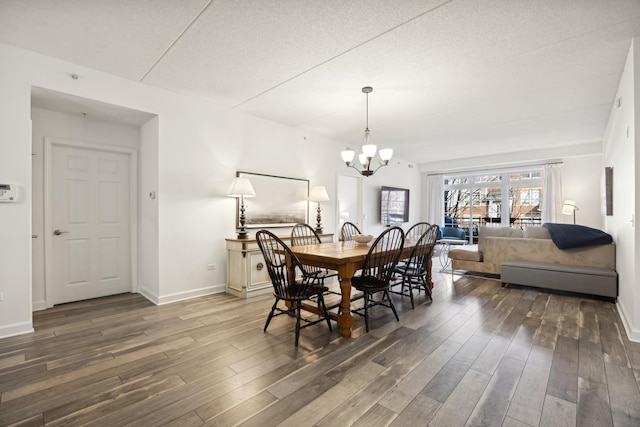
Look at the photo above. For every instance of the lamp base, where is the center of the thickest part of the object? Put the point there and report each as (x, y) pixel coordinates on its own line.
(319, 220)
(242, 234)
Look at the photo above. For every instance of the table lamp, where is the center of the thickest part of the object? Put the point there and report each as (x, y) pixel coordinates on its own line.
(319, 194)
(241, 187)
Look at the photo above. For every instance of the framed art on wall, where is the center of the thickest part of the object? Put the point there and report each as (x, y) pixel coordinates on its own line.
(279, 202)
(607, 191)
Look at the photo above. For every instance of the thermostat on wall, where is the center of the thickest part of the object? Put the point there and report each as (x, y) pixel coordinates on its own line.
(7, 193)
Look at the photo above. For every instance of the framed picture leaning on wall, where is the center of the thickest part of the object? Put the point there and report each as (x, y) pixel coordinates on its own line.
(279, 202)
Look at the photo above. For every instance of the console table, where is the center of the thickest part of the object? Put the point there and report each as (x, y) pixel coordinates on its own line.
(247, 275)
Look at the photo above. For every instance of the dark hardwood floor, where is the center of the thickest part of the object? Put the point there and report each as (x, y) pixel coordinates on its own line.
(478, 355)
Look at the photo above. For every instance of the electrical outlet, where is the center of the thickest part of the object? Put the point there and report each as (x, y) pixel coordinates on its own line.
(1, 296)
(211, 266)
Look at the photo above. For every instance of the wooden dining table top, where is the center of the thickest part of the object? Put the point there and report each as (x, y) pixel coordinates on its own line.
(337, 253)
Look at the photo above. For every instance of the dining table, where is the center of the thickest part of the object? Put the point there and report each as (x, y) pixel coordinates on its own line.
(345, 257)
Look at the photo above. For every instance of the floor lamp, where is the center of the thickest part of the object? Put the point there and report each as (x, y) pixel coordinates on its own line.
(569, 208)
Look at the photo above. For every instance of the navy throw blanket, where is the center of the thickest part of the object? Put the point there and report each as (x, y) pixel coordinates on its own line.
(567, 236)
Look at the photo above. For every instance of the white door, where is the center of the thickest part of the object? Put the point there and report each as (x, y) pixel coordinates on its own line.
(349, 201)
(90, 224)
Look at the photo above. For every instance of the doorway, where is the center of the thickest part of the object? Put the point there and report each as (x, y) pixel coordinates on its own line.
(89, 220)
(349, 207)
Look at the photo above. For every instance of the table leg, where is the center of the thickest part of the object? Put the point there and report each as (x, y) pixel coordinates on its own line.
(345, 318)
(429, 265)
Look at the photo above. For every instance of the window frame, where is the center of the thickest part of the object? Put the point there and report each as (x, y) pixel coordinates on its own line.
(476, 180)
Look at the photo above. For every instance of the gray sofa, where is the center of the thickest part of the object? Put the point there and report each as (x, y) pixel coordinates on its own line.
(529, 257)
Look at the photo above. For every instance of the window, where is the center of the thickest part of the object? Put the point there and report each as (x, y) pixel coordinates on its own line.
(529, 197)
(500, 198)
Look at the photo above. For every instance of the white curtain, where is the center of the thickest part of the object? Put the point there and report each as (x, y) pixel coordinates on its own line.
(434, 198)
(552, 193)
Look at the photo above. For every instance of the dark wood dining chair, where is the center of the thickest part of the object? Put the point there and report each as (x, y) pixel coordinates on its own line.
(377, 271)
(303, 287)
(415, 270)
(416, 230)
(347, 230)
(304, 234)
(414, 233)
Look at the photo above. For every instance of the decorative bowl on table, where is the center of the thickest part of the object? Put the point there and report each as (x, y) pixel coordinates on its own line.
(362, 239)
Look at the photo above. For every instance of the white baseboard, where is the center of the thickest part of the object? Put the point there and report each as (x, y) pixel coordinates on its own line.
(148, 295)
(181, 296)
(38, 305)
(632, 333)
(16, 329)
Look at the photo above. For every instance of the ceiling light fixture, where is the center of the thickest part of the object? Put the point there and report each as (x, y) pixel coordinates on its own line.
(368, 149)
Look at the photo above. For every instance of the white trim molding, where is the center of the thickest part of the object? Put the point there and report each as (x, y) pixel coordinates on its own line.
(181, 296)
(632, 334)
(16, 329)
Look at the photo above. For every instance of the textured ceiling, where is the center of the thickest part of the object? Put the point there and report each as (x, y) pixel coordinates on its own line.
(451, 79)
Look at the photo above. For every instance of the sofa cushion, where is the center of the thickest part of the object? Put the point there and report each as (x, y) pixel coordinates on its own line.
(536, 233)
(486, 231)
(466, 254)
(500, 231)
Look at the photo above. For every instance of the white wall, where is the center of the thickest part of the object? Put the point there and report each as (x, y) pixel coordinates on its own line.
(188, 155)
(149, 224)
(399, 174)
(15, 218)
(620, 142)
(581, 183)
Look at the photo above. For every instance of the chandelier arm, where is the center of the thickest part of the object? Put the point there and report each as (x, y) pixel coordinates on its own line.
(382, 162)
(379, 166)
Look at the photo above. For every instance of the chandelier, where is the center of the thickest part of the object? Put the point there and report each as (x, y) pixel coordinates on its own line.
(368, 149)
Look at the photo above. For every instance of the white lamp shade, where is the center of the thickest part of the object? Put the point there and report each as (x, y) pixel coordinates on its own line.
(241, 187)
(569, 207)
(386, 154)
(369, 150)
(319, 194)
(348, 155)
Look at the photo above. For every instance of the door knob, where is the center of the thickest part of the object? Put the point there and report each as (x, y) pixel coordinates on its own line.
(58, 232)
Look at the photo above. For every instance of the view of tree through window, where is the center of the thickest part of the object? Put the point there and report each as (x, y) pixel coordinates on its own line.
(501, 199)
